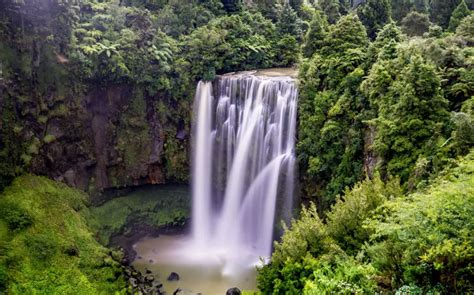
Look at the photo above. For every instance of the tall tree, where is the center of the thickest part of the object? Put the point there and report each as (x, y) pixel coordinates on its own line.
(345, 6)
(374, 14)
(349, 32)
(406, 92)
(232, 6)
(317, 31)
(296, 4)
(400, 8)
(331, 9)
(415, 24)
(421, 5)
(465, 29)
(289, 22)
(441, 11)
(271, 9)
(330, 139)
(385, 45)
(458, 15)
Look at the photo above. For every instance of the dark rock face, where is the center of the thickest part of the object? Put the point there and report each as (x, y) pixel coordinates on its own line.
(112, 137)
(173, 277)
(233, 291)
(370, 157)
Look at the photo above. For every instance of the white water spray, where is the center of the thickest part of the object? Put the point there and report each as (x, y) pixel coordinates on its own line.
(243, 165)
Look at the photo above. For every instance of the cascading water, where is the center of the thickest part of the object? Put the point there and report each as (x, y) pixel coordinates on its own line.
(243, 164)
(243, 184)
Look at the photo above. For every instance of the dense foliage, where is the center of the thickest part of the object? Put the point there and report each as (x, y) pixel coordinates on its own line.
(389, 102)
(376, 240)
(55, 53)
(390, 105)
(46, 245)
(329, 136)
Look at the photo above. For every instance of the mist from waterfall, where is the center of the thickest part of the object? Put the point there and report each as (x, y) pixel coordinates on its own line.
(243, 164)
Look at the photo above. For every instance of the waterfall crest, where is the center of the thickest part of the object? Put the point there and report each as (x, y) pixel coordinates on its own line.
(243, 163)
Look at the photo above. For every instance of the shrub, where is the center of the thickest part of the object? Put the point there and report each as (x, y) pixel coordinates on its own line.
(289, 278)
(426, 239)
(43, 246)
(346, 217)
(3, 277)
(416, 24)
(293, 261)
(307, 235)
(14, 216)
(341, 276)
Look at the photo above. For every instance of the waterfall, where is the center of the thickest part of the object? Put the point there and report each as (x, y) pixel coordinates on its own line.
(243, 163)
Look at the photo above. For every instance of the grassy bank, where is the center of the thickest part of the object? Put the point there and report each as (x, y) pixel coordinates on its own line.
(46, 244)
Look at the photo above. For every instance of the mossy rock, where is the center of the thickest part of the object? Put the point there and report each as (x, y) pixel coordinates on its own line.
(158, 206)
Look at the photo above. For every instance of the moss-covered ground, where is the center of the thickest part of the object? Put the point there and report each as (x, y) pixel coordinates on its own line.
(158, 207)
(46, 244)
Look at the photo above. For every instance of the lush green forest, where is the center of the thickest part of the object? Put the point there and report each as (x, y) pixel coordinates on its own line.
(98, 94)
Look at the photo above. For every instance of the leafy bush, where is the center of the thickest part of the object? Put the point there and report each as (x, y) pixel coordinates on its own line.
(292, 261)
(415, 290)
(426, 239)
(42, 246)
(3, 277)
(465, 29)
(288, 51)
(347, 215)
(49, 138)
(342, 276)
(288, 278)
(377, 240)
(14, 216)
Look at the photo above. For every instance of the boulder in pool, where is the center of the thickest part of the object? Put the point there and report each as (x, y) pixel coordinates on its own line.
(173, 277)
(233, 291)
